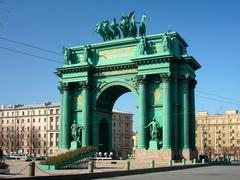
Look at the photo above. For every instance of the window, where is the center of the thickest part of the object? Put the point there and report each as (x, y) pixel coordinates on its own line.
(44, 135)
(51, 111)
(34, 120)
(39, 120)
(23, 113)
(57, 111)
(22, 120)
(39, 127)
(39, 135)
(45, 120)
(39, 112)
(51, 119)
(28, 120)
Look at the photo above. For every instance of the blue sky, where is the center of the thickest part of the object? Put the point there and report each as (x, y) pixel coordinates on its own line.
(211, 28)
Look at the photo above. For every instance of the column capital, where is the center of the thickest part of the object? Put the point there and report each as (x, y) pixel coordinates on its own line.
(193, 83)
(63, 87)
(141, 78)
(165, 77)
(185, 77)
(83, 85)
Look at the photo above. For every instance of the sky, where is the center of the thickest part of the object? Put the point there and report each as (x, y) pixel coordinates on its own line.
(211, 28)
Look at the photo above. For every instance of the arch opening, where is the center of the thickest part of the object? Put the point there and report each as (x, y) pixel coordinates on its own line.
(116, 107)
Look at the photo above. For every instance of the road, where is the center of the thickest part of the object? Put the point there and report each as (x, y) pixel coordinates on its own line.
(204, 173)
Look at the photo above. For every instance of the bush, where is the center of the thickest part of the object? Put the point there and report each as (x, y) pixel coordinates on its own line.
(68, 156)
(3, 165)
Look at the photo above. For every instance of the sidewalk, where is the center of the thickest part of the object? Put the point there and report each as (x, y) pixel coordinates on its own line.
(19, 168)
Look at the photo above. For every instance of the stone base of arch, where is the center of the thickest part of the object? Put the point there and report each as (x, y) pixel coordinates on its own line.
(163, 156)
(188, 154)
(156, 155)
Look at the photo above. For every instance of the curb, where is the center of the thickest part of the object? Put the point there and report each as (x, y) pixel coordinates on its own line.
(114, 173)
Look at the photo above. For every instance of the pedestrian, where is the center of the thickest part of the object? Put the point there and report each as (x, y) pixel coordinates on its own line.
(1, 154)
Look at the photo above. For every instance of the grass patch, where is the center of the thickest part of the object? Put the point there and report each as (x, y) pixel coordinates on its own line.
(68, 156)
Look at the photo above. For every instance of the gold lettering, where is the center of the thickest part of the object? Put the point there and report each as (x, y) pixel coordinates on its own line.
(125, 52)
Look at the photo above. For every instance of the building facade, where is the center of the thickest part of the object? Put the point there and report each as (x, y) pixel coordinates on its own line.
(30, 129)
(218, 135)
(34, 130)
(122, 133)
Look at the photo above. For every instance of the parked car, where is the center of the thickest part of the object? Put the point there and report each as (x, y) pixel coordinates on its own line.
(28, 158)
(39, 158)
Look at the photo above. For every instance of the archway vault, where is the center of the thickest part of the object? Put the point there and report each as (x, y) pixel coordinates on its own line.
(159, 72)
(110, 92)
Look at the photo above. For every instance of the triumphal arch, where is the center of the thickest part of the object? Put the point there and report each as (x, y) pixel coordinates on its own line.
(159, 72)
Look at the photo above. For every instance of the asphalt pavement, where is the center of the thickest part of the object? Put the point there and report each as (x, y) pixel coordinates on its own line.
(228, 172)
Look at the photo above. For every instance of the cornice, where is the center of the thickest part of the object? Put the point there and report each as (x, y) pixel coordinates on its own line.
(153, 59)
(73, 69)
(192, 62)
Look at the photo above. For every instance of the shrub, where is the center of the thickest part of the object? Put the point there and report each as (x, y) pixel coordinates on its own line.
(68, 156)
(3, 165)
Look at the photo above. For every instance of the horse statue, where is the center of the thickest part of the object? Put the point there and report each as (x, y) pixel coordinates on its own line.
(142, 27)
(132, 25)
(124, 26)
(114, 27)
(107, 30)
(99, 30)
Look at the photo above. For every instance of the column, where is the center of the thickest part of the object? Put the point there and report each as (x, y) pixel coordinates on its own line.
(185, 113)
(192, 113)
(85, 115)
(167, 120)
(65, 121)
(142, 110)
(175, 109)
(60, 118)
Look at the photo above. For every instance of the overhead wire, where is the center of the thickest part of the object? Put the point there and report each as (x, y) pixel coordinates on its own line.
(29, 54)
(218, 96)
(29, 45)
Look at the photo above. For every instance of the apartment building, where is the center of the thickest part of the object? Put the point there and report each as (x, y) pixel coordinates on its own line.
(122, 133)
(218, 135)
(34, 130)
(30, 129)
